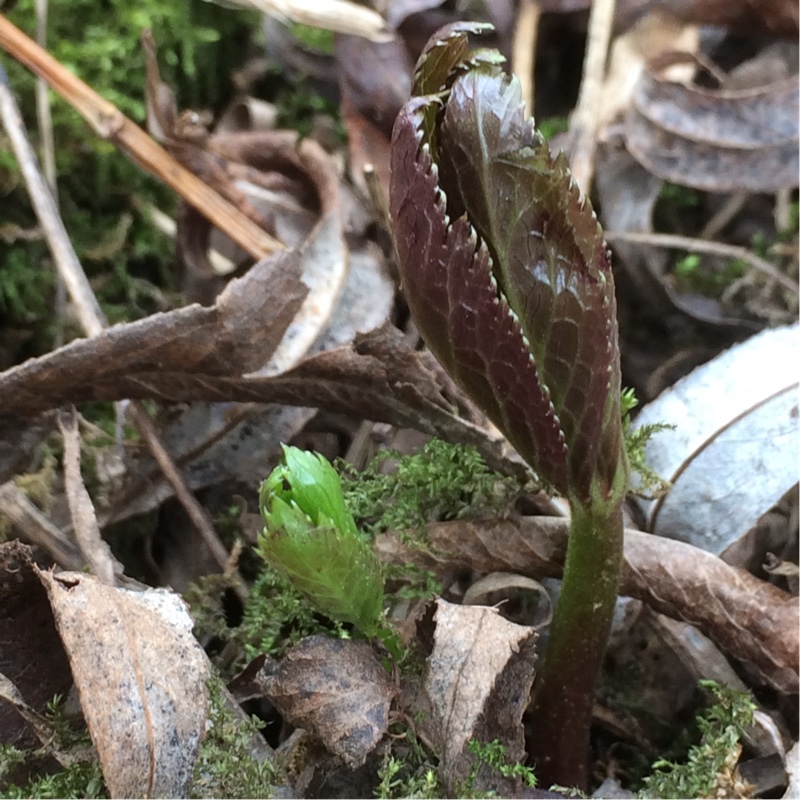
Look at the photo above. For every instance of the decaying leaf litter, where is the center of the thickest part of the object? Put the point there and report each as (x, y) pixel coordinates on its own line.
(691, 143)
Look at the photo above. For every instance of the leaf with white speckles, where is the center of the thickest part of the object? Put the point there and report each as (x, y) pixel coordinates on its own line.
(141, 679)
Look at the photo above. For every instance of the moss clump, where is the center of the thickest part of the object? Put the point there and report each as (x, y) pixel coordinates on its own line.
(225, 766)
(710, 767)
(443, 481)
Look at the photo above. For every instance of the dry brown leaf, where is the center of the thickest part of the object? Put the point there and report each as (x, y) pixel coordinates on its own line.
(141, 678)
(376, 77)
(334, 688)
(396, 11)
(478, 681)
(718, 141)
(380, 377)
(755, 17)
(375, 81)
(237, 335)
(654, 33)
(748, 618)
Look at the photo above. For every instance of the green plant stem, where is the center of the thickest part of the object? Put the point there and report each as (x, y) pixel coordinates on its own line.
(562, 706)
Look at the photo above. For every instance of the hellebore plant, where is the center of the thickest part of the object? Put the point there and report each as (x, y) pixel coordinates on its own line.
(508, 278)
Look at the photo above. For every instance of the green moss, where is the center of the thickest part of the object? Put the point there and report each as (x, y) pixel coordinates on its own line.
(275, 616)
(76, 780)
(691, 275)
(709, 767)
(552, 126)
(442, 481)
(83, 778)
(225, 766)
(495, 756)
(650, 483)
(408, 768)
(318, 39)
(199, 45)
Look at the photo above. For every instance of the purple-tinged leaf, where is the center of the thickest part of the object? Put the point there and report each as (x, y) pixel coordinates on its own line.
(466, 151)
(444, 56)
(549, 255)
(448, 283)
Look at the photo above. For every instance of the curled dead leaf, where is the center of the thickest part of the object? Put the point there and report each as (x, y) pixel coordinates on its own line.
(478, 680)
(718, 141)
(235, 336)
(141, 679)
(748, 618)
(379, 377)
(335, 688)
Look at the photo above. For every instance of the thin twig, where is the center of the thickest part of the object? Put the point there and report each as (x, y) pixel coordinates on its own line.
(43, 115)
(109, 122)
(726, 213)
(676, 242)
(15, 504)
(88, 309)
(584, 122)
(523, 49)
(195, 511)
(89, 312)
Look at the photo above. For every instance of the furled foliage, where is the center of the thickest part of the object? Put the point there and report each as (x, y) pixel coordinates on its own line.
(311, 538)
(505, 268)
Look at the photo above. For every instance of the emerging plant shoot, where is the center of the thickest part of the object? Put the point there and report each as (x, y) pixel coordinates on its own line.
(508, 278)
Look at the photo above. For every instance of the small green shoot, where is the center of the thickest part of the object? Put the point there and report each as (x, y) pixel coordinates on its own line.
(311, 538)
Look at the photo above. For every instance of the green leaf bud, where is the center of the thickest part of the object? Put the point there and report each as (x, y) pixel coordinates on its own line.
(312, 539)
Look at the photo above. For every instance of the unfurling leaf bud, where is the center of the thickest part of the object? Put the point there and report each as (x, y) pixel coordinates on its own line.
(505, 269)
(311, 538)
